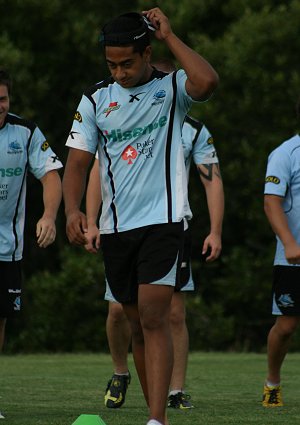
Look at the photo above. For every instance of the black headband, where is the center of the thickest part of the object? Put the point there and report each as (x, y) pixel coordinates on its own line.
(129, 37)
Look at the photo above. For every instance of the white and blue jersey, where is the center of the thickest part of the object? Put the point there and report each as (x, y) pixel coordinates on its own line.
(197, 144)
(23, 147)
(283, 179)
(137, 132)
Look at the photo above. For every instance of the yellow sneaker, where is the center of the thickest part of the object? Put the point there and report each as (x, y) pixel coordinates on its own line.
(272, 396)
(116, 391)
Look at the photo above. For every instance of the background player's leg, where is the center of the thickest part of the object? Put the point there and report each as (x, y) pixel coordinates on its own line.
(119, 337)
(180, 339)
(2, 332)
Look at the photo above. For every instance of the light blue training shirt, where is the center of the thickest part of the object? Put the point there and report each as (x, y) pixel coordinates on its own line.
(197, 144)
(283, 179)
(137, 132)
(23, 147)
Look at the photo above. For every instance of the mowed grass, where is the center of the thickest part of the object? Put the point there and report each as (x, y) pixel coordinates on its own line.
(225, 389)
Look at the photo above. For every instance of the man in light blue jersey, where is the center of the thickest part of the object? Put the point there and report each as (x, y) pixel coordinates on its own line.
(23, 148)
(282, 207)
(197, 144)
(134, 119)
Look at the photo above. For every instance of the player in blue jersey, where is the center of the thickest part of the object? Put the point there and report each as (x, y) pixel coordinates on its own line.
(134, 119)
(23, 148)
(282, 207)
(197, 144)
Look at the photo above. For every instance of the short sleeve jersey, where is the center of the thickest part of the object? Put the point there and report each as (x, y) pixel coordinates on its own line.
(137, 132)
(197, 144)
(283, 179)
(23, 147)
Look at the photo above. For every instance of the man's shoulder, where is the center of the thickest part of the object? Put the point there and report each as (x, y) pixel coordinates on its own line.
(193, 122)
(290, 146)
(16, 120)
(90, 91)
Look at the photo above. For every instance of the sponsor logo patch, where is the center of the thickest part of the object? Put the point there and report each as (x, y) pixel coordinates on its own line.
(45, 146)
(134, 97)
(113, 106)
(11, 172)
(272, 179)
(129, 153)
(118, 135)
(78, 116)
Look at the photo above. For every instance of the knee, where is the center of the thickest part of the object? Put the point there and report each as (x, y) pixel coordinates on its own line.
(177, 318)
(137, 332)
(116, 314)
(286, 328)
(151, 320)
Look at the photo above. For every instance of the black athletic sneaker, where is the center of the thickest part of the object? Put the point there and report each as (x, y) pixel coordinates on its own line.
(116, 390)
(180, 401)
(2, 416)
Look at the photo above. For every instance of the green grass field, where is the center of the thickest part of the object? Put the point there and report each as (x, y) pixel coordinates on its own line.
(225, 389)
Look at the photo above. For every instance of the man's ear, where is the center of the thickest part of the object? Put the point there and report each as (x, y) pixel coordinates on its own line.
(147, 53)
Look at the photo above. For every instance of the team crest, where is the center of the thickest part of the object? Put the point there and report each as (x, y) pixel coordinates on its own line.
(14, 147)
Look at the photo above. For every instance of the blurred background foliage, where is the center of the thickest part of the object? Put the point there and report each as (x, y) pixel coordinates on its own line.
(52, 51)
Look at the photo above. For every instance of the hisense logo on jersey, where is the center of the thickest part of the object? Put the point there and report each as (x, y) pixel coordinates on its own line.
(10, 172)
(113, 106)
(118, 135)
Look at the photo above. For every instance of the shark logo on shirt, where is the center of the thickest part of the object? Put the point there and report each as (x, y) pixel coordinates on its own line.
(14, 147)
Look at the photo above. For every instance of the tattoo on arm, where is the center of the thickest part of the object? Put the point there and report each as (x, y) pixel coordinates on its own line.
(207, 171)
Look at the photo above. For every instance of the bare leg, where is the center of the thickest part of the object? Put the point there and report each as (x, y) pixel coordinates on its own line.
(152, 345)
(154, 309)
(2, 332)
(138, 346)
(278, 342)
(119, 336)
(180, 339)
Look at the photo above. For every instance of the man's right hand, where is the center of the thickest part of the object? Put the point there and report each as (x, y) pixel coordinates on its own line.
(76, 228)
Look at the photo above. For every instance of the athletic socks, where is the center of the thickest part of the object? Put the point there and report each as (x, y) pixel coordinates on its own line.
(153, 422)
(174, 392)
(271, 384)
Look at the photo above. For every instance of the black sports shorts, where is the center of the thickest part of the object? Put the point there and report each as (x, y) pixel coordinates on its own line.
(149, 254)
(10, 287)
(286, 290)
